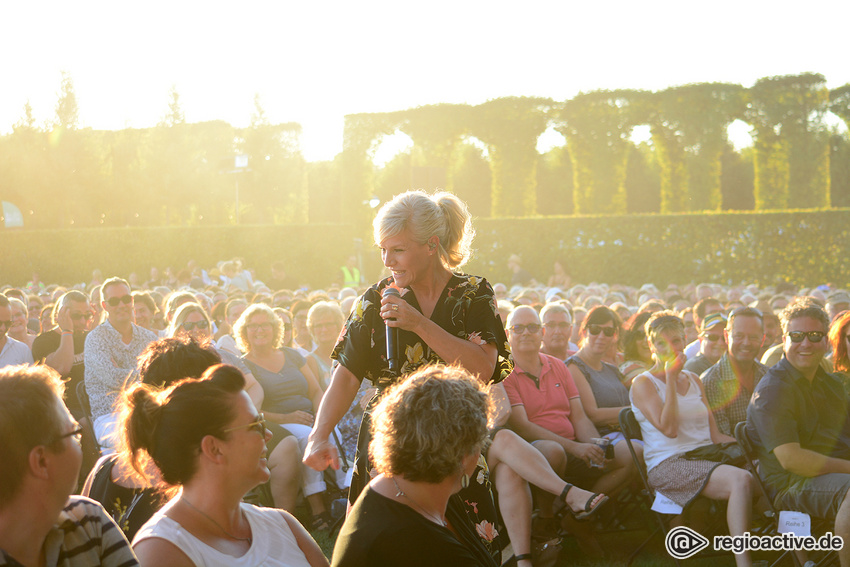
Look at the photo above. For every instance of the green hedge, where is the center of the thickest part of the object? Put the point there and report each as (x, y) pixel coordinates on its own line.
(312, 253)
(804, 247)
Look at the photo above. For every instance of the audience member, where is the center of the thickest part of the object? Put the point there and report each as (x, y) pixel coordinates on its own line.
(110, 355)
(804, 455)
(557, 329)
(62, 347)
(671, 408)
(702, 309)
(40, 458)
(730, 383)
(12, 351)
(427, 435)
(636, 354)
(712, 344)
(205, 437)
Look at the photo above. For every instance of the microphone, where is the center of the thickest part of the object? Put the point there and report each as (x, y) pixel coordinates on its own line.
(392, 334)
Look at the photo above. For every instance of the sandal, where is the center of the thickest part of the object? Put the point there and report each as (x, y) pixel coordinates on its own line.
(321, 522)
(561, 505)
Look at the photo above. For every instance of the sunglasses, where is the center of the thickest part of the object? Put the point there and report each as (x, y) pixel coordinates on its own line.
(259, 426)
(798, 336)
(520, 329)
(202, 324)
(78, 316)
(125, 299)
(558, 326)
(712, 337)
(596, 329)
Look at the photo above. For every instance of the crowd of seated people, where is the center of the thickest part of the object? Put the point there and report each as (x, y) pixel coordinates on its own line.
(593, 344)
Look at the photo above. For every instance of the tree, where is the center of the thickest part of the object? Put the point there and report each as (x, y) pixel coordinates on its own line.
(792, 149)
(67, 111)
(510, 127)
(643, 180)
(472, 179)
(555, 183)
(689, 133)
(597, 126)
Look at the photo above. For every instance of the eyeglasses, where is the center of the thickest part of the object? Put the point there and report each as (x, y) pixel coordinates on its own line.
(596, 329)
(259, 426)
(77, 434)
(532, 328)
(712, 337)
(125, 299)
(6, 324)
(202, 324)
(798, 336)
(78, 316)
(558, 326)
(255, 326)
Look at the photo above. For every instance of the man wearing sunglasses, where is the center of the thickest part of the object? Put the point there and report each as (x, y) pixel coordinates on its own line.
(798, 421)
(712, 344)
(40, 523)
(11, 351)
(61, 347)
(110, 356)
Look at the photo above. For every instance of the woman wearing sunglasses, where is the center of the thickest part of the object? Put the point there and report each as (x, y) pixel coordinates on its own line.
(600, 384)
(207, 443)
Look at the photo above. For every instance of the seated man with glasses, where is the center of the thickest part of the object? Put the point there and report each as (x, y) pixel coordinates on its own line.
(546, 411)
(62, 347)
(110, 356)
(558, 323)
(40, 457)
(798, 421)
(712, 344)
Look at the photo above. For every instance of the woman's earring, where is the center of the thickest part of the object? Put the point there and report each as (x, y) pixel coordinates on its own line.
(464, 481)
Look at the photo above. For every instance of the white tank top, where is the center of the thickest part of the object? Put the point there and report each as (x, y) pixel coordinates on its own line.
(693, 431)
(273, 543)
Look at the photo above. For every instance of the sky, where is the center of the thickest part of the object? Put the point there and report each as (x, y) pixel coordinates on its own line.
(314, 61)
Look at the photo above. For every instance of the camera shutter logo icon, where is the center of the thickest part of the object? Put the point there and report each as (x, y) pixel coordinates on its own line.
(683, 542)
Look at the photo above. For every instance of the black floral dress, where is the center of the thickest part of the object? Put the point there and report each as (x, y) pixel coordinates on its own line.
(466, 309)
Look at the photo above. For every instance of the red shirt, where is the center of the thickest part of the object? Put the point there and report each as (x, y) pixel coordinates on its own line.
(547, 405)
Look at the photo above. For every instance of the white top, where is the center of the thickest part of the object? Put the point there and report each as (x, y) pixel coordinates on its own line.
(693, 431)
(273, 543)
(15, 352)
(692, 349)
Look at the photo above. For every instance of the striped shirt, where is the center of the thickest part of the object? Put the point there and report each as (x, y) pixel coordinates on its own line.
(83, 536)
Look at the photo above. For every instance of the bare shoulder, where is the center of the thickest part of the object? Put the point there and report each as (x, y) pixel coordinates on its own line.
(155, 551)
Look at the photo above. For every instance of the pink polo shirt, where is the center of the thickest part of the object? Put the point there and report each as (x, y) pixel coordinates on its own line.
(549, 405)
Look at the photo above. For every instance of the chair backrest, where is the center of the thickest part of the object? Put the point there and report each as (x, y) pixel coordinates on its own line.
(83, 398)
(746, 444)
(631, 430)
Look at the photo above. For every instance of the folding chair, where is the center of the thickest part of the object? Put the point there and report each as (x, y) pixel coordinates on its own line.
(631, 430)
(743, 439)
